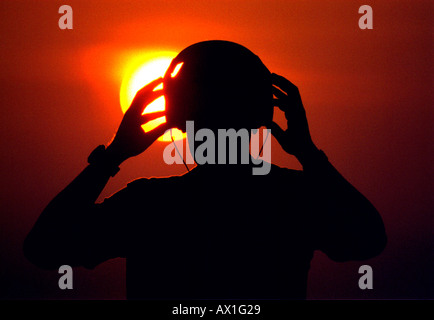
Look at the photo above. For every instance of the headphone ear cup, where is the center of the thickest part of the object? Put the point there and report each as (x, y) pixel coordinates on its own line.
(264, 109)
(268, 112)
(192, 94)
(175, 112)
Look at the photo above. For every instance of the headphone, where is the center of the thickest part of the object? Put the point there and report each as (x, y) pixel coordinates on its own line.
(219, 83)
(203, 75)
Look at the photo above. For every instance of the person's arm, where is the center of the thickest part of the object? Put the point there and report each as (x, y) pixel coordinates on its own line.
(62, 233)
(348, 227)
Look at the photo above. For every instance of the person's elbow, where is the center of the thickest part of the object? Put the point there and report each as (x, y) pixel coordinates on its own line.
(51, 251)
(379, 243)
(39, 254)
(369, 246)
(372, 238)
(359, 246)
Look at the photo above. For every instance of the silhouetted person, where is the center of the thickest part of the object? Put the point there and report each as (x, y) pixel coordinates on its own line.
(217, 231)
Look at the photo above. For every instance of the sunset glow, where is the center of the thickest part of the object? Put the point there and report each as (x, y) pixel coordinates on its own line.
(141, 70)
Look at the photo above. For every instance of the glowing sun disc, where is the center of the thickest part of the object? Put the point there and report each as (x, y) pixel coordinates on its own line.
(141, 70)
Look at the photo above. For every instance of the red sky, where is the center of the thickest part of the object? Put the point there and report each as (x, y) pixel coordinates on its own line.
(367, 93)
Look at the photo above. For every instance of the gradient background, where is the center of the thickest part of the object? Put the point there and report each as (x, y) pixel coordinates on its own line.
(367, 93)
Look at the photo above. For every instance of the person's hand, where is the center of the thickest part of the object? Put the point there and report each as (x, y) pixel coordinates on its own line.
(131, 140)
(296, 139)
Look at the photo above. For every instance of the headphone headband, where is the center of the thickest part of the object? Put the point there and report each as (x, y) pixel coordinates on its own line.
(219, 84)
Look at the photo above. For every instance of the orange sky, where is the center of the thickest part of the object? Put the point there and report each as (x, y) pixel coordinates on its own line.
(367, 95)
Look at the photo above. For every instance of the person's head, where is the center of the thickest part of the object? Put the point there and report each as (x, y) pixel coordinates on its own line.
(219, 85)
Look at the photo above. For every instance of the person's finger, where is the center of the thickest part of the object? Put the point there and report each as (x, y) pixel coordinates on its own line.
(155, 133)
(282, 83)
(282, 105)
(152, 116)
(141, 101)
(143, 93)
(276, 131)
(293, 94)
(150, 86)
(279, 93)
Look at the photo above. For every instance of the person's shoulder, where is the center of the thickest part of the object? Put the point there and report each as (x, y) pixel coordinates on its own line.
(281, 172)
(141, 183)
(276, 173)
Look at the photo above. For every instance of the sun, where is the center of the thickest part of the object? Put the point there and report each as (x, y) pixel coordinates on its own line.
(141, 69)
